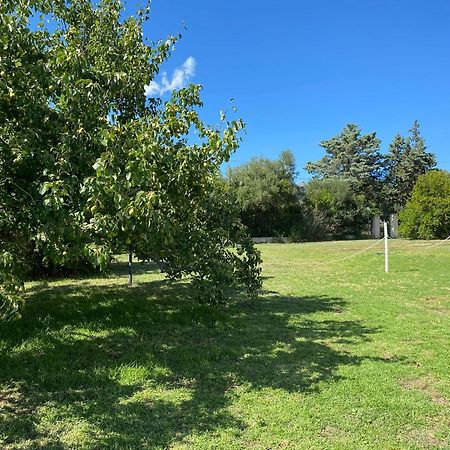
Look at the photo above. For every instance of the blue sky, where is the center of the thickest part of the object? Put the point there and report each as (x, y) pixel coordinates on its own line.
(300, 70)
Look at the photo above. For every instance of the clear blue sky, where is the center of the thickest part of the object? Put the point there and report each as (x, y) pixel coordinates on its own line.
(300, 70)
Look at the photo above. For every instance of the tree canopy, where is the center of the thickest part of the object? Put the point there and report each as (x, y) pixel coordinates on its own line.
(352, 156)
(386, 180)
(405, 161)
(89, 166)
(267, 194)
(352, 182)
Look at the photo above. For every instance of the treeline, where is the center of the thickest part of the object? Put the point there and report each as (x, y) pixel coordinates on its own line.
(350, 184)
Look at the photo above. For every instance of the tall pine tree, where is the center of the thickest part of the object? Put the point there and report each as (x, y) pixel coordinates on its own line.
(406, 160)
(352, 156)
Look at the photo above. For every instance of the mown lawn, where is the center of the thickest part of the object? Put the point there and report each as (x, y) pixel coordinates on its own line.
(333, 356)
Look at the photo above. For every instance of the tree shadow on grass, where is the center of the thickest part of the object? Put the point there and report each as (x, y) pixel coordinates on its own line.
(147, 366)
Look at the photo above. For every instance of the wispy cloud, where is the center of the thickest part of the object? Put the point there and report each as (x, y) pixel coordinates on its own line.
(180, 77)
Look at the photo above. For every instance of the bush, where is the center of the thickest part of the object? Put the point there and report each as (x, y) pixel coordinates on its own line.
(332, 210)
(427, 213)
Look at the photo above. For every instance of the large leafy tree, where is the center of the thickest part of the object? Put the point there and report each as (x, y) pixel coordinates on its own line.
(89, 165)
(26, 132)
(406, 160)
(352, 156)
(267, 194)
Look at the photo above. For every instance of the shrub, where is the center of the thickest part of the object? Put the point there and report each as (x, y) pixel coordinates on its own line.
(332, 210)
(427, 213)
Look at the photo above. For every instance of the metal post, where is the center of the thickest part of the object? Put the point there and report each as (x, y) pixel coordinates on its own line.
(130, 269)
(386, 255)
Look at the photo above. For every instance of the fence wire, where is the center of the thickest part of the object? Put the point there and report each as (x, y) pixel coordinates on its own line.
(350, 256)
(425, 246)
(422, 246)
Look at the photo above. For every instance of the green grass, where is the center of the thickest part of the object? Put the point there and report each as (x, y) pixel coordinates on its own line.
(333, 356)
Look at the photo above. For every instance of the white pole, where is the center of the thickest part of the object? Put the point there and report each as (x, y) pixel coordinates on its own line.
(386, 255)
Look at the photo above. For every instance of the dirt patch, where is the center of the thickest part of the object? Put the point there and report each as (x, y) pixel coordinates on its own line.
(330, 432)
(388, 356)
(426, 385)
(440, 299)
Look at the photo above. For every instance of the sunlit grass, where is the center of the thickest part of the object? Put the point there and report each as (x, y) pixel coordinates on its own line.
(335, 355)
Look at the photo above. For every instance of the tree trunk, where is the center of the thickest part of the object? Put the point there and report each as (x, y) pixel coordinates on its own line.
(130, 267)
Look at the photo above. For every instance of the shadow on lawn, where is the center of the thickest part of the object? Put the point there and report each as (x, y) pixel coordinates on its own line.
(146, 365)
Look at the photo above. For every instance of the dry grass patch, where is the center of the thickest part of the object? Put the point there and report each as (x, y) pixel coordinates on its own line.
(438, 304)
(426, 385)
(426, 439)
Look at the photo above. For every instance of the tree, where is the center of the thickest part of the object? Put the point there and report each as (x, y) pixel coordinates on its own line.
(354, 157)
(89, 165)
(427, 213)
(267, 194)
(406, 160)
(26, 132)
(163, 199)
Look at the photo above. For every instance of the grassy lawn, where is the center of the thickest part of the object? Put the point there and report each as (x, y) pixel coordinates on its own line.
(333, 356)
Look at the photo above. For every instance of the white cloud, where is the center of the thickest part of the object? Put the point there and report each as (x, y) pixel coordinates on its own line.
(180, 77)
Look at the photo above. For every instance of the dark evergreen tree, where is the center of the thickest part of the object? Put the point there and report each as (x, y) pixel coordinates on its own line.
(406, 160)
(354, 157)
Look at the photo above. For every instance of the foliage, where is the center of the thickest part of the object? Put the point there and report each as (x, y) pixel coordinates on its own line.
(267, 194)
(332, 210)
(165, 201)
(89, 165)
(406, 160)
(353, 157)
(427, 213)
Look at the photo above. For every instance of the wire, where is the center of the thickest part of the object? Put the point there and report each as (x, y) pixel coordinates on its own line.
(432, 245)
(353, 255)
